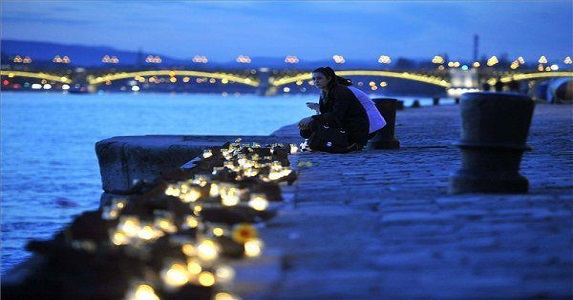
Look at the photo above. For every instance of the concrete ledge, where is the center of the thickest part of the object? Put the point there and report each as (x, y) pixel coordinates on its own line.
(125, 160)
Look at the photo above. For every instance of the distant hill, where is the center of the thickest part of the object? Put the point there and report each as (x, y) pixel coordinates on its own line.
(91, 56)
(79, 54)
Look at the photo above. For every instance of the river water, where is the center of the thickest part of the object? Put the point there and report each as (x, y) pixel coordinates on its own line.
(49, 170)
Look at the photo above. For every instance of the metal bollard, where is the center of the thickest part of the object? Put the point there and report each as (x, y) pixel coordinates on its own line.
(493, 138)
(385, 138)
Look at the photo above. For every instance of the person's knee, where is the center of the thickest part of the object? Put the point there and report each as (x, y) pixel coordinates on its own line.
(305, 133)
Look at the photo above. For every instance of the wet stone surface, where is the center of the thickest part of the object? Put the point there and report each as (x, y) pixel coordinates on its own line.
(380, 223)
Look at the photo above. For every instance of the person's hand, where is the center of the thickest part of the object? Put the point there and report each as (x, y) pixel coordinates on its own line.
(304, 123)
(312, 105)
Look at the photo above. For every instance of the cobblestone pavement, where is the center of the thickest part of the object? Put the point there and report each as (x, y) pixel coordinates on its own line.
(380, 224)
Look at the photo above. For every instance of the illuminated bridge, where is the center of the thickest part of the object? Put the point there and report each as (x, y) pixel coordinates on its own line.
(269, 82)
(224, 77)
(439, 81)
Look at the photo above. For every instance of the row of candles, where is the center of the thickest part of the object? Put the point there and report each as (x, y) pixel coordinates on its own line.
(204, 264)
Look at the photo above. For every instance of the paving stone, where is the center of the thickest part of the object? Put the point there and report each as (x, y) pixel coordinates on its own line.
(380, 224)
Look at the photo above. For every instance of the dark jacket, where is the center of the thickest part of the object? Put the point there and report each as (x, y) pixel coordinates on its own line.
(340, 107)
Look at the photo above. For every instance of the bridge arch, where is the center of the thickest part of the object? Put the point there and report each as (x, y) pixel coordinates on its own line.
(124, 75)
(526, 76)
(402, 75)
(39, 75)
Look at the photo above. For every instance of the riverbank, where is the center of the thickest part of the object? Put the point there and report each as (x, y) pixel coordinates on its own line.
(380, 223)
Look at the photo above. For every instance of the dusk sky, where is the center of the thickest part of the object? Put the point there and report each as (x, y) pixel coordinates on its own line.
(311, 30)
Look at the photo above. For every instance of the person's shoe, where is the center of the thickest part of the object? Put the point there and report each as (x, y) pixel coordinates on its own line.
(353, 147)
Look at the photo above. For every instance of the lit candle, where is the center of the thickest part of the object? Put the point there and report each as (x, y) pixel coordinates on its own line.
(206, 278)
(224, 274)
(208, 250)
(175, 275)
(192, 195)
(253, 247)
(258, 201)
(130, 226)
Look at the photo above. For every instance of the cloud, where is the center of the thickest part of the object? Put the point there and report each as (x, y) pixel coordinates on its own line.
(313, 29)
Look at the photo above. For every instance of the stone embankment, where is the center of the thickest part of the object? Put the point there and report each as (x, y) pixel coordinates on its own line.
(380, 224)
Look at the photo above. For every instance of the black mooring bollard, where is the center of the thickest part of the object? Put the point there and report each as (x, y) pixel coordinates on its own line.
(385, 138)
(494, 134)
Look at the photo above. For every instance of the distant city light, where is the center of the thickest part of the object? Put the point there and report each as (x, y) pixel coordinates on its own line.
(465, 67)
(18, 59)
(438, 60)
(454, 64)
(476, 64)
(542, 60)
(339, 59)
(514, 65)
(520, 60)
(568, 60)
(492, 61)
(554, 67)
(243, 59)
(384, 59)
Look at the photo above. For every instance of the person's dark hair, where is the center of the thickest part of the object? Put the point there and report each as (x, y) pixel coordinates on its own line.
(329, 72)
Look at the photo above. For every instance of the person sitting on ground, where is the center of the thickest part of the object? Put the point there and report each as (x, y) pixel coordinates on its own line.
(342, 106)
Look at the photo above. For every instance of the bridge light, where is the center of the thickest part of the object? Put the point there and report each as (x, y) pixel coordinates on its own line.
(291, 59)
(542, 60)
(153, 59)
(384, 59)
(339, 59)
(243, 59)
(568, 60)
(201, 59)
